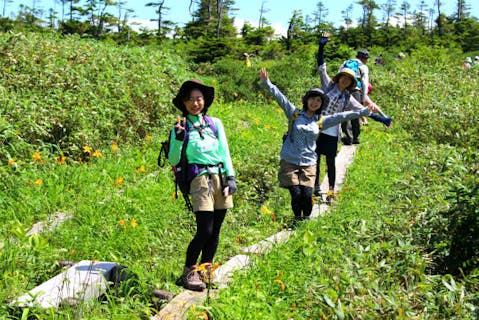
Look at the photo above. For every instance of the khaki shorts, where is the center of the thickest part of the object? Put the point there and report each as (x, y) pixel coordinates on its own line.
(206, 194)
(293, 175)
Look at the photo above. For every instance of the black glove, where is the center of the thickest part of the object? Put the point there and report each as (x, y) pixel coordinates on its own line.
(323, 40)
(384, 120)
(320, 54)
(180, 134)
(231, 182)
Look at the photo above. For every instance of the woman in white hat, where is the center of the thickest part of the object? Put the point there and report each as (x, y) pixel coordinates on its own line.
(467, 63)
(338, 89)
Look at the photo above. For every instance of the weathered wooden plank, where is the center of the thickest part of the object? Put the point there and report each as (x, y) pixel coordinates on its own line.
(84, 281)
(51, 223)
(176, 309)
(343, 160)
(267, 245)
(225, 271)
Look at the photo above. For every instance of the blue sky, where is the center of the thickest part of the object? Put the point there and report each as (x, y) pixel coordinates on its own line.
(278, 14)
(279, 11)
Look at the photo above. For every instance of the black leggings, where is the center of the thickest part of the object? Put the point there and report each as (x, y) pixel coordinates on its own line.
(301, 200)
(331, 167)
(205, 241)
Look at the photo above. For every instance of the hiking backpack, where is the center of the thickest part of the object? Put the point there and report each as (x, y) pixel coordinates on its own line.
(183, 172)
(354, 65)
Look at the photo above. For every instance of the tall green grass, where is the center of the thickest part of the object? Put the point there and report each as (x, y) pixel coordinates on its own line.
(385, 251)
(405, 220)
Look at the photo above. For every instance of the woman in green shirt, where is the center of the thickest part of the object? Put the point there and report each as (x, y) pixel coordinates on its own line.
(210, 173)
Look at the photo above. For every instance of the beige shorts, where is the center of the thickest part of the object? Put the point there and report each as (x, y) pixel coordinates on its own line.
(206, 194)
(293, 175)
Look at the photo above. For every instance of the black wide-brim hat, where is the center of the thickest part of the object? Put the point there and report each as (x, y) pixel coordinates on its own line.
(185, 89)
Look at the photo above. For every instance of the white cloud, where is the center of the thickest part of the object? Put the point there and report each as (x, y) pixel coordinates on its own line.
(278, 27)
(136, 24)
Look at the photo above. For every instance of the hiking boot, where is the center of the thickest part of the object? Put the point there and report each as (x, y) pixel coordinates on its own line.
(355, 141)
(191, 279)
(295, 223)
(346, 141)
(330, 197)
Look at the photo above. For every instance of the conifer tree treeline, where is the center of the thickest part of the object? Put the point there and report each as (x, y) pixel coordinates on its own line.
(390, 24)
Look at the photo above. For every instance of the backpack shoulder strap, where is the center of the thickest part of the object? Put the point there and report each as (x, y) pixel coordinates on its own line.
(211, 123)
(293, 120)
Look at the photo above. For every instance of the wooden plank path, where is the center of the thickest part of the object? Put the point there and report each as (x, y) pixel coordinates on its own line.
(87, 280)
(49, 225)
(84, 281)
(177, 308)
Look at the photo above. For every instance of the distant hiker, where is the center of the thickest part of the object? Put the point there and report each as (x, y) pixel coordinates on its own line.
(476, 61)
(210, 173)
(467, 63)
(351, 129)
(379, 60)
(246, 59)
(338, 89)
(400, 56)
(298, 153)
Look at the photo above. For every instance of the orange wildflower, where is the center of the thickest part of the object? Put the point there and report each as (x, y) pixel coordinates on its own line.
(37, 157)
(133, 223)
(11, 162)
(122, 223)
(61, 159)
(114, 147)
(38, 182)
(265, 210)
(119, 181)
(97, 154)
(281, 284)
(140, 169)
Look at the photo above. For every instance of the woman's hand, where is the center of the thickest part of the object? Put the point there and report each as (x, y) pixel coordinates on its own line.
(324, 38)
(373, 107)
(263, 74)
(180, 129)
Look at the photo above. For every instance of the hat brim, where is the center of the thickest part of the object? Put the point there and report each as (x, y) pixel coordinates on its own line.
(350, 76)
(316, 93)
(185, 89)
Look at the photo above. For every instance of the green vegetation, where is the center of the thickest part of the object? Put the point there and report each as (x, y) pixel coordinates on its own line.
(80, 128)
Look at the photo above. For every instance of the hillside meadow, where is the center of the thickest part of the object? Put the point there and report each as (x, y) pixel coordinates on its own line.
(81, 124)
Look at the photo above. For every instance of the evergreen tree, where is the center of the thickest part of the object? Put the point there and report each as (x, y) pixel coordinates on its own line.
(205, 20)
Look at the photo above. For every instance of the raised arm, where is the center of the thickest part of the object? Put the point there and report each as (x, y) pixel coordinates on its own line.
(284, 103)
(322, 42)
(323, 74)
